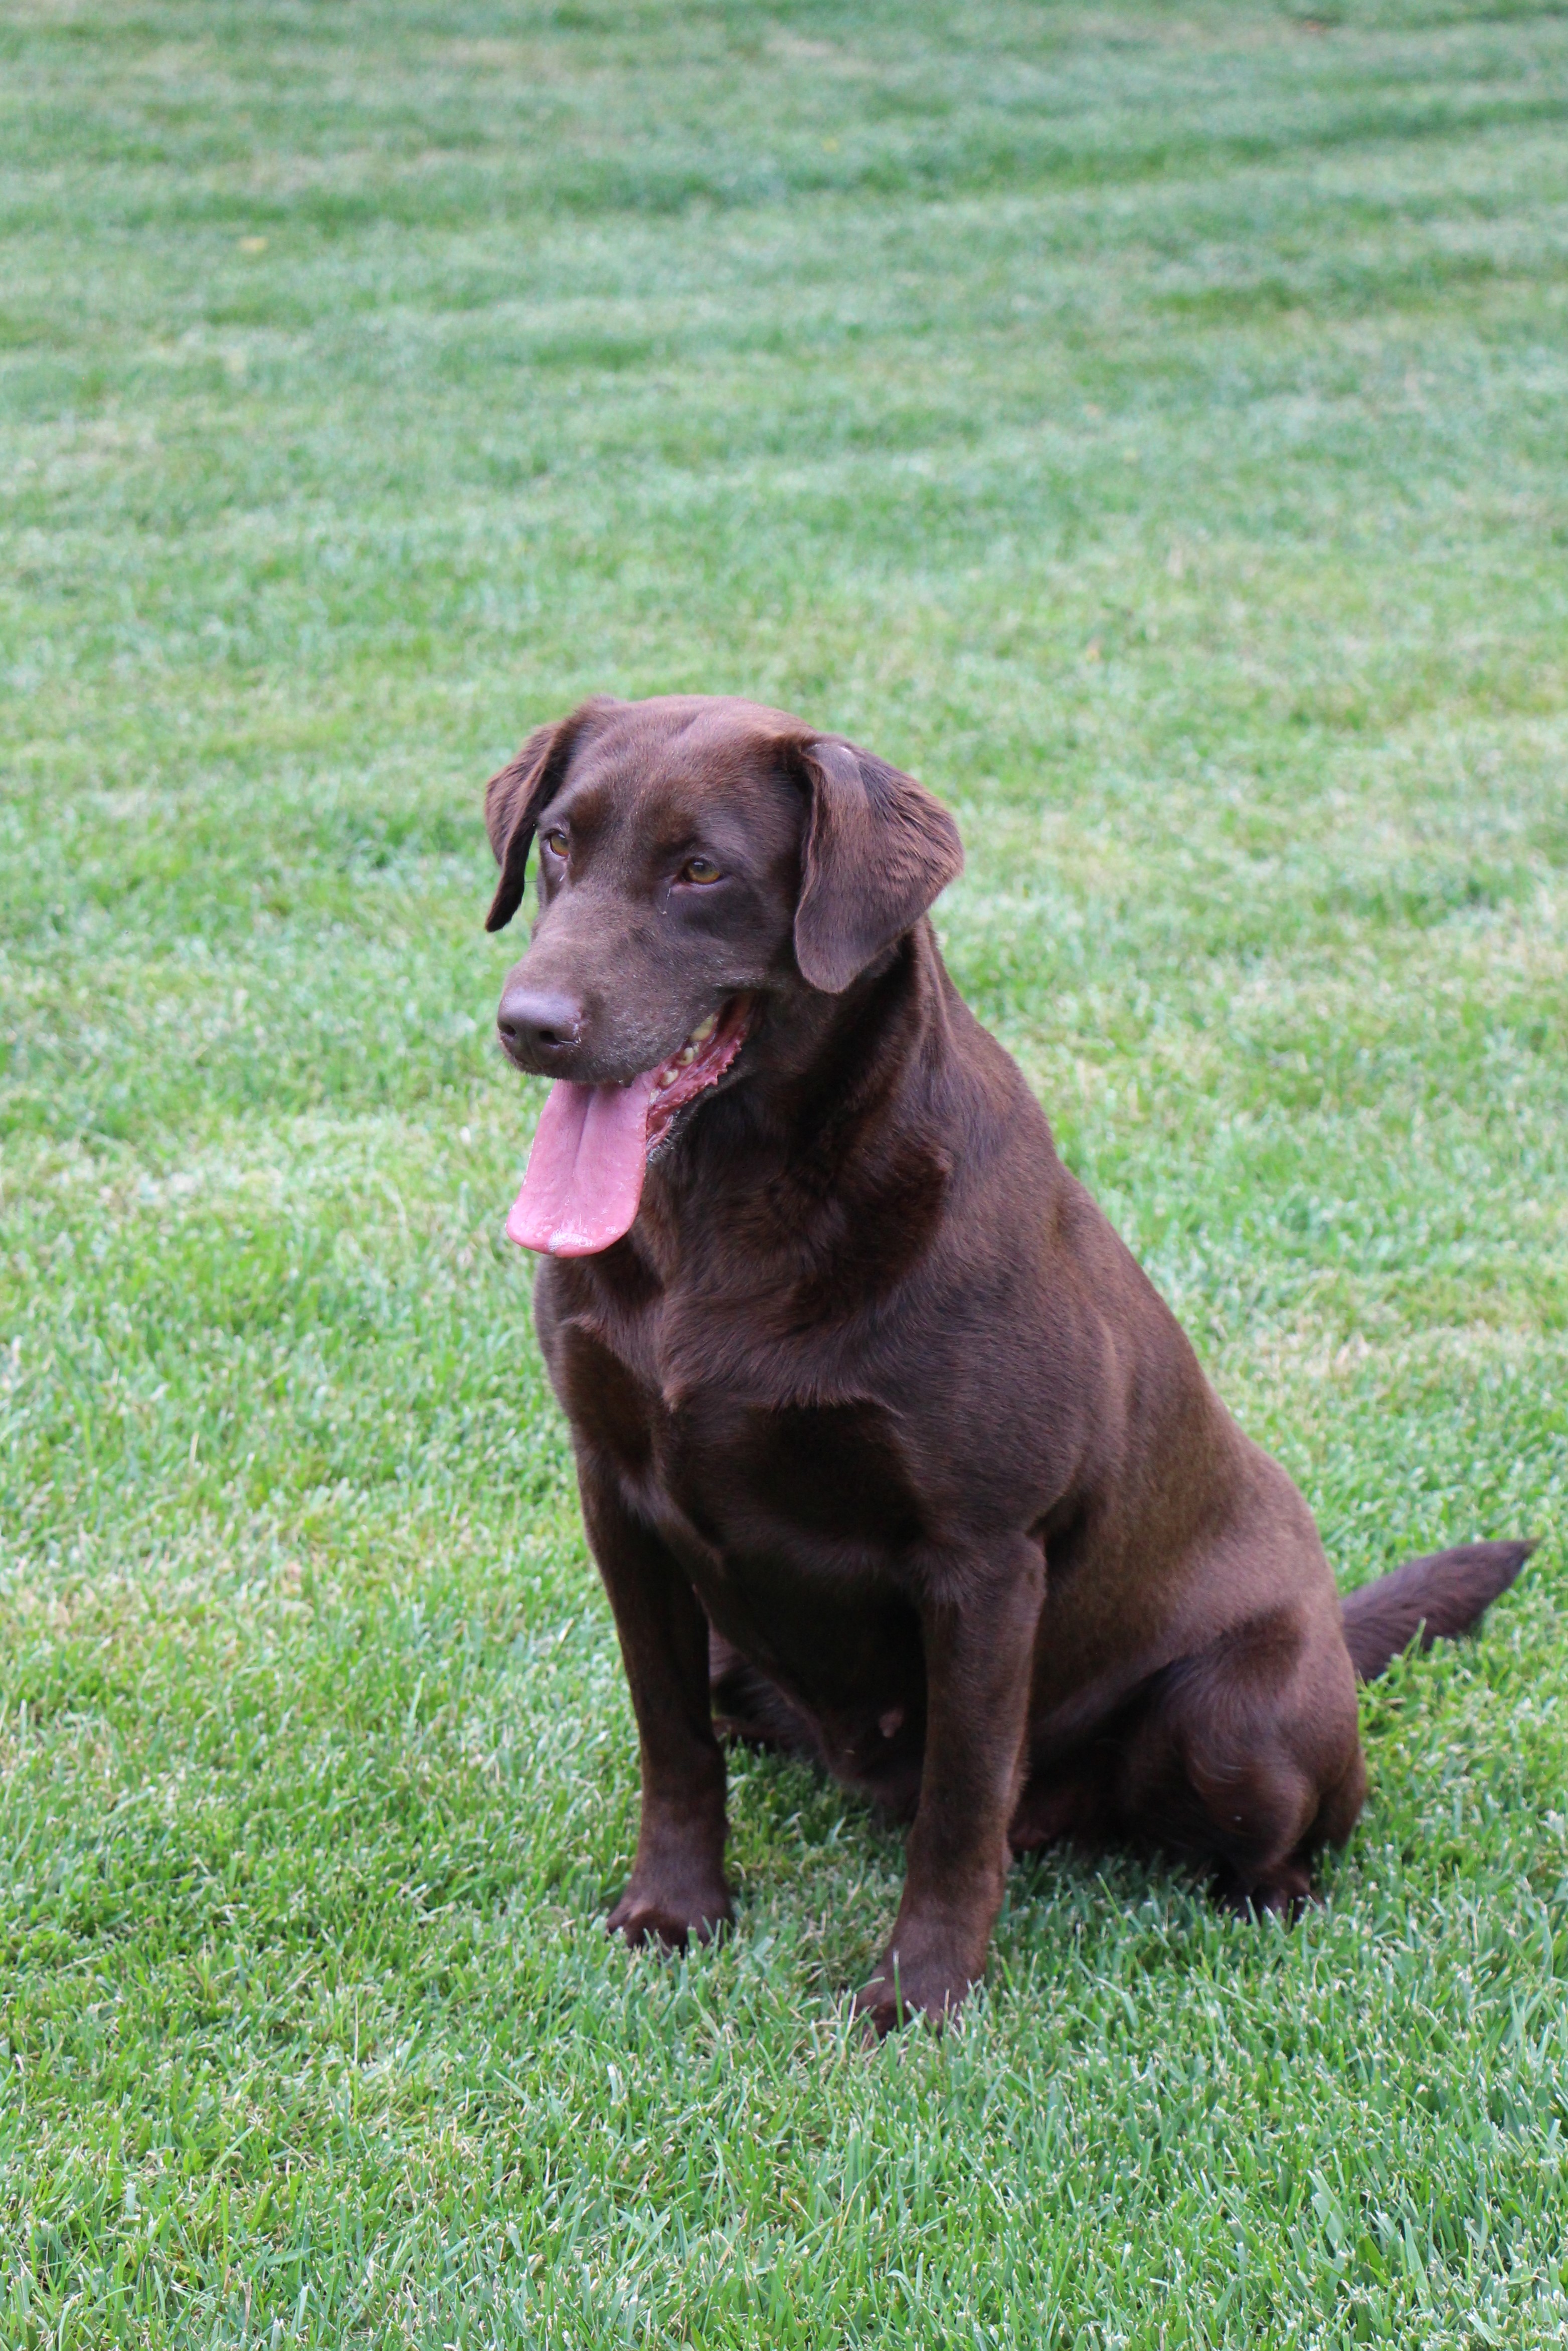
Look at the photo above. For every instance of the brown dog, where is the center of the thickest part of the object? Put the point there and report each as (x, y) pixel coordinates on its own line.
(886, 1446)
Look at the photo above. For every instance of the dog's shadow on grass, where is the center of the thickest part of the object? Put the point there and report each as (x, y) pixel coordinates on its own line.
(816, 1871)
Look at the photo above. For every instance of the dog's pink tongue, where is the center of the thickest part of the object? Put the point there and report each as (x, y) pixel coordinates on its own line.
(584, 1177)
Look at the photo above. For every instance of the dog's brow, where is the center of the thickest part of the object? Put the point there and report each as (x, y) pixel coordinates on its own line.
(585, 805)
(661, 815)
(638, 811)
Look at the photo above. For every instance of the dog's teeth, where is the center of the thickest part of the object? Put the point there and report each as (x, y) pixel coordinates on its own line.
(703, 1031)
(686, 1055)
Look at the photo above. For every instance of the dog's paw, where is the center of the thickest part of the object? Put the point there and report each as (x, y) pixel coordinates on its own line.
(673, 1916)
(899, 1993)
(1284, 1892)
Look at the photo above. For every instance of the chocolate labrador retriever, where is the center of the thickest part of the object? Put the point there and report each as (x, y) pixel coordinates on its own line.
(888, 1450)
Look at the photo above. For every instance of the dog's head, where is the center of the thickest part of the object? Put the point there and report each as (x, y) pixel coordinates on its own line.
(697, 857)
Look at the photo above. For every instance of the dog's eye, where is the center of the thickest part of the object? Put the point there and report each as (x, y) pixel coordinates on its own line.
(700, 869)
(555, 841)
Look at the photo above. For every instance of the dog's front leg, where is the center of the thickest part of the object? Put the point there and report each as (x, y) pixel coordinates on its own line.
(677, 1887)
(978, 1631)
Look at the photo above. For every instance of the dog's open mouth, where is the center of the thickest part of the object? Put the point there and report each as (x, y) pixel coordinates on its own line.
(584, 1176)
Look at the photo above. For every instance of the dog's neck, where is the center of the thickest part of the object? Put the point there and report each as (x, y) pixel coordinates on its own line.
(829, 1069)
(842, 1089)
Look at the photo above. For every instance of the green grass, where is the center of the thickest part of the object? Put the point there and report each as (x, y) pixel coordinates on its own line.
(1150, 427)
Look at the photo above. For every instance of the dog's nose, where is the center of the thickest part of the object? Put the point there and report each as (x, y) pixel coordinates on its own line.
(539, 1021)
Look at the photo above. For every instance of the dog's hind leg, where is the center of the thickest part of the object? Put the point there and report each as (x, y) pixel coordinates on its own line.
(1247, 1759)
(750, 1707)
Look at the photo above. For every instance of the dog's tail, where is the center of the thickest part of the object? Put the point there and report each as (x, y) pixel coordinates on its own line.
(1438, 1597)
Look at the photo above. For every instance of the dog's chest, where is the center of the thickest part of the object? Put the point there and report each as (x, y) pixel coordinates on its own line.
(764, 1479)
(813, 1485)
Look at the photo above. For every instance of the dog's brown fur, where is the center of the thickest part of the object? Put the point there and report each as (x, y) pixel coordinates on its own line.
(888, 1449)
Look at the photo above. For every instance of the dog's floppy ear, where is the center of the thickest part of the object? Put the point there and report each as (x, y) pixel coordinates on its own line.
(877, 849)
(514, 797)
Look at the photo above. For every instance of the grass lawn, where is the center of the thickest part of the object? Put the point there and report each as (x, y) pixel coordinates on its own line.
(1148, 424)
